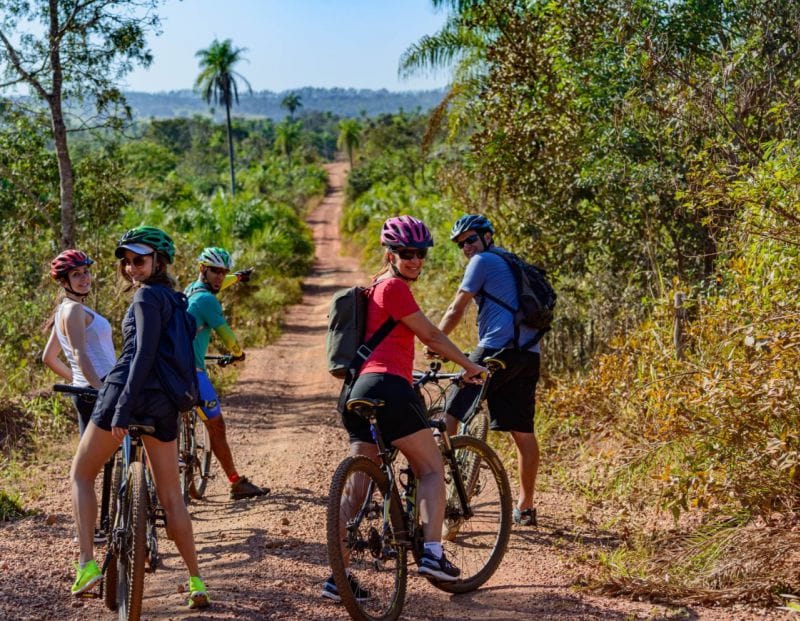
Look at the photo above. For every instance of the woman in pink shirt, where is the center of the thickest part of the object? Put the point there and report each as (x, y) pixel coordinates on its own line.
(387, 375)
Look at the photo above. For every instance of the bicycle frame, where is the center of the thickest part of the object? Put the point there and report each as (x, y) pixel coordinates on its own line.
(409, 511)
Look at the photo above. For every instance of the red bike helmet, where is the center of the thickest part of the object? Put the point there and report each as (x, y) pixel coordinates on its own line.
(405, 232)
(66, 261)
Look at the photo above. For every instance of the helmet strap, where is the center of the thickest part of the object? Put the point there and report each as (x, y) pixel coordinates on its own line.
(68, 289)
(204, 280)
(397, 273)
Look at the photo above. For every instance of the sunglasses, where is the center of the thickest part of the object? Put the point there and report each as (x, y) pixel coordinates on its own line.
(137, 261)
(217, 270)
(409, 253)
(469, 240)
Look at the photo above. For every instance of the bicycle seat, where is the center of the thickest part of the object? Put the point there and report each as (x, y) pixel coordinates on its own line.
(354, 405)
(493, 364)
(143, 427)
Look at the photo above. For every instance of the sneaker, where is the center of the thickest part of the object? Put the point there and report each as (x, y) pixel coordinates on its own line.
(330, 591)
(439, 568)
(243, 488)
(525, 517)
(198, 596)
(86, 577)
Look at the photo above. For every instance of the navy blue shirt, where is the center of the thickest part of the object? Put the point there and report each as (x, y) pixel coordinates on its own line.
(141, 332)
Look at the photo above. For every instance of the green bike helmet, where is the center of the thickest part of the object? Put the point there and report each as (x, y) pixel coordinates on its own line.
(215, 256)
(144, 240)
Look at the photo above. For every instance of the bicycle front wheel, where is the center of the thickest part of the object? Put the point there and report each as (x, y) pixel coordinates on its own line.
(133, 543)
(363, 543)
(200, 459)
(476, 535)
(111, 577)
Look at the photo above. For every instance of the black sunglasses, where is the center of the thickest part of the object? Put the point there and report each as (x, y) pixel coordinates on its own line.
(137, 261)
(409, 253)
(469, 240)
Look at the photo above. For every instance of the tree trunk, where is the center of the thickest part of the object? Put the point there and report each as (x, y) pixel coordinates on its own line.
(66, 179)
(230, 148)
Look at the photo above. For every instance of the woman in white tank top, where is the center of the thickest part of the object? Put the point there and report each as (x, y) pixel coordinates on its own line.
(83, 335)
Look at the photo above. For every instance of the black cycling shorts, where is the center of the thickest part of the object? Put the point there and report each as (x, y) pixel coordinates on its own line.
(511, 393)
(153, 405)
(402, 415)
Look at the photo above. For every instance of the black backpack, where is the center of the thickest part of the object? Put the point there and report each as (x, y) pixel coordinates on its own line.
(344, 343)
(175, 360)
(537, 299)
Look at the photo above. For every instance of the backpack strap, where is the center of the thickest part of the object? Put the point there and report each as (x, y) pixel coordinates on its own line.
(365, 349)
(513, 269)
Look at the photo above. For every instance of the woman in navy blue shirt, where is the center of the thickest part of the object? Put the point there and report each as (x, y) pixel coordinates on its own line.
(132, 391)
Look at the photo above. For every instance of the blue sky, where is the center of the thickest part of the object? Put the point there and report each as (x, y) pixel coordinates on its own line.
(293, 43)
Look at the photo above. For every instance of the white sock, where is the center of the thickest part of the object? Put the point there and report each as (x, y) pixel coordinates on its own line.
(434, 548)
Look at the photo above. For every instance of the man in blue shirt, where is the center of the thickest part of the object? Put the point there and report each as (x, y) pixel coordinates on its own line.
(215, 263)
(511, 392)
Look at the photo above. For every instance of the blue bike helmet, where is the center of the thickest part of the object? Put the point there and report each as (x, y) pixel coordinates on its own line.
(471, 222)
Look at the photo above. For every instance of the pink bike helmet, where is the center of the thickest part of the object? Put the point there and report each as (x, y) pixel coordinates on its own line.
(405, 232)
(66, 261)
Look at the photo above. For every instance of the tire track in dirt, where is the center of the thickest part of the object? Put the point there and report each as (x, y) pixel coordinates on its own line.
(265, 558)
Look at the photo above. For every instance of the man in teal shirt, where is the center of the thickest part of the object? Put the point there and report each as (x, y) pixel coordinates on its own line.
(215, 265)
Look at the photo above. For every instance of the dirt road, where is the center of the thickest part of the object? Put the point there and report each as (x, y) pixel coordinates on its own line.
(265, 558)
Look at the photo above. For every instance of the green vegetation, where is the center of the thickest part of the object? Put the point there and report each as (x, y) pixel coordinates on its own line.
(636, 150)
(170, 174)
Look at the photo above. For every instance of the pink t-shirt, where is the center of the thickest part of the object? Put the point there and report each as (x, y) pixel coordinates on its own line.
(395, 354)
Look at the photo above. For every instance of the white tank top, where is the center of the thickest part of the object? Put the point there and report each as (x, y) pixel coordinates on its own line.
(99, 346)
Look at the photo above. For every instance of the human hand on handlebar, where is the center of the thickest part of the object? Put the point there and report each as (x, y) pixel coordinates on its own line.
(224, 361)
(474, 373)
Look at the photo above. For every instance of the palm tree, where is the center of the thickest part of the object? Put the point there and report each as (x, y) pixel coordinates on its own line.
(287, 135)
(349, 137)
(291, 103)
(217, 81)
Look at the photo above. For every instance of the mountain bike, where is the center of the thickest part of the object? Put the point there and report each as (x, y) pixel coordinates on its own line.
(194, 446)
(372, 520)
(133, 547)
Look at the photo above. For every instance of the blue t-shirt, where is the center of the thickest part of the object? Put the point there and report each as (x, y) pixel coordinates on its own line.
(486, 271)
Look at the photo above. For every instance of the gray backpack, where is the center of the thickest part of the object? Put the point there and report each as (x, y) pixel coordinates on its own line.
(344, 344)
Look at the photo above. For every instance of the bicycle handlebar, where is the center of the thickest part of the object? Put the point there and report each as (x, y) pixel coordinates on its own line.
(86, 391)
(225, 359)
(433, 375)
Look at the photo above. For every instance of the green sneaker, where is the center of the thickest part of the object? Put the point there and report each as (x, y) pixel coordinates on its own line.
(86, 577)
(198, 596)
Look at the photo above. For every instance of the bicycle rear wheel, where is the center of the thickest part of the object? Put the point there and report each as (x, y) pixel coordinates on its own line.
(359, 541)
(185, 454)
(133, 543)
(201, 459)
(476, 540)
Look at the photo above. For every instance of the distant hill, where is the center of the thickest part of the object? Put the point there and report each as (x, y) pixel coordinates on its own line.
(340, 101)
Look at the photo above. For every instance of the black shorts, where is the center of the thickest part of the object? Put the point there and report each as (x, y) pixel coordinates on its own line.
(402, 415)
(153, 405)
(511, 393)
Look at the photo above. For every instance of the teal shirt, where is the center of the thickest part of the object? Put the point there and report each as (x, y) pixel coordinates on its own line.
(207, 312)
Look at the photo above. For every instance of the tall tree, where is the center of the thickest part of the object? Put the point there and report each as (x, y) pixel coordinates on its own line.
(74, 51)
(287, 135)
(217, 82)
(291, 103)
(349, 137)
